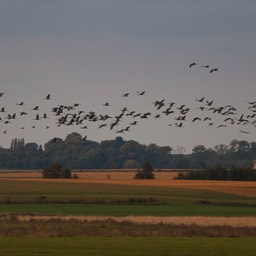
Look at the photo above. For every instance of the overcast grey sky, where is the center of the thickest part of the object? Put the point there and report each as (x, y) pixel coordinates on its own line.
(92, 51)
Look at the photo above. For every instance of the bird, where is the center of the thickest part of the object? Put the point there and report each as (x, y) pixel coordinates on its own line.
(209, 103)
(213, 70)
(200, 100)
(244, 131)
(1, 94)
(45, 116)
(221, 125)
(20, 104)
(48, 97)
(37, 117)
(35, 108)
(126, 94)
(205, 66)
(196, 118)
(141, 93)
(192, 64)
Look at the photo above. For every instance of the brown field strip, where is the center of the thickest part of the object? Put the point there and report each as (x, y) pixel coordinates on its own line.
(162, 179)
(181, 220)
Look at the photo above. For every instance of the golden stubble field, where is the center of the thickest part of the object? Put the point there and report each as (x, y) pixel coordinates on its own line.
(162, 179)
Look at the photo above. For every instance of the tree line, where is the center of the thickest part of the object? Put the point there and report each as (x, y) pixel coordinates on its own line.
(75, 153)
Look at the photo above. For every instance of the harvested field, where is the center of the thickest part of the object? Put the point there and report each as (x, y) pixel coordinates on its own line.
(182, 220)
(91, 175)
(58, 226)
(162, 179)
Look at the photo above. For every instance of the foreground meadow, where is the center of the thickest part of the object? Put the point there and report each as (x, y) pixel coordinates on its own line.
(125, 246)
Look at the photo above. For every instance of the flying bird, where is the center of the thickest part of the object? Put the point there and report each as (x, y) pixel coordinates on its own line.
(48, 97)
(200, 100)
(214, 70)
(192, 64)
(141, 93)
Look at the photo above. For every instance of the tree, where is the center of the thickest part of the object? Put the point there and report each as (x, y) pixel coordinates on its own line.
(146, 172)
(131, 164)
(56, 171)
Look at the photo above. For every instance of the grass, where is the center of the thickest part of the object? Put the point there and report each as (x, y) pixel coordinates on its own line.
(125, 210)
(149, 246)
(118, 200)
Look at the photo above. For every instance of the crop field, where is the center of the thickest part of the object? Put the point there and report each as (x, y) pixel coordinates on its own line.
(110, 213)
(162, 179)
(149, 246)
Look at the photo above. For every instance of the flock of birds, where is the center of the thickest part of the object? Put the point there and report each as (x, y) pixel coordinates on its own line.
(126, 118)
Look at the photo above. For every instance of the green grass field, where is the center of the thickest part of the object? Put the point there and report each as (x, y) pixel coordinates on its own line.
(118, 200)
(150, 246)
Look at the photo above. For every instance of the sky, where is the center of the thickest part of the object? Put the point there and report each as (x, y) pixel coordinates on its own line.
(93, 51)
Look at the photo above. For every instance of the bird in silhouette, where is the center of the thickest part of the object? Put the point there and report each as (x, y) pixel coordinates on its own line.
(2, 110)
(214, 70)
(45, 116)
(102, 125)
(106, 104)
(1, 94)
(37, 117)
(231, 120)
(192, 64)
(221, 125)
(48, 97)
(126, 94)
(141, 93)
(35, 108)
(244, 131)
(209, 103)
(20, 104)
(84, 127)
(179, 124)
(200, 100)
(196, 119)
(205, 66)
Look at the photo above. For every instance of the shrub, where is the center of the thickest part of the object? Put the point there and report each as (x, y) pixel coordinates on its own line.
(56, 171)
(146, 172)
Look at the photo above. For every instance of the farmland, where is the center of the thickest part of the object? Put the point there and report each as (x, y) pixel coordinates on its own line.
(99, 205)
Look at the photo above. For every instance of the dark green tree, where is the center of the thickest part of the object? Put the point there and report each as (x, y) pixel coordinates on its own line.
(55, 170)
(146, 172)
